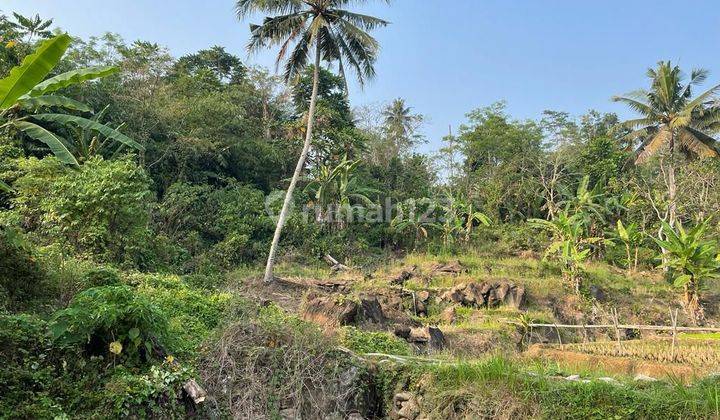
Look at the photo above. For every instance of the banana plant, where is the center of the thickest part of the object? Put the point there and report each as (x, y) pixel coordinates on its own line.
(692, 261)
(409, 218)
(587, 201)
(459, 218)
(569, 244)
(27, 98)
(339, 186)
(472, 217)
(632, 238)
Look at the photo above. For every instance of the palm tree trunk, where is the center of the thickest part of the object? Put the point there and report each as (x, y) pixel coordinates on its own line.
(672, 186)
(298, 169)
(672, 192)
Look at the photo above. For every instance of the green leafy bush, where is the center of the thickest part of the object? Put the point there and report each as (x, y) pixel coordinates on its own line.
(154, 394)
(24, 349)
(22, 278)
(191, 313)
(42, 379)
(222, 227)
(102, 276)
(112, 319)
(101, 208)
(373, 342)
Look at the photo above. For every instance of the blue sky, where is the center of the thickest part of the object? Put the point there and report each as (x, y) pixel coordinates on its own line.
(449, 57)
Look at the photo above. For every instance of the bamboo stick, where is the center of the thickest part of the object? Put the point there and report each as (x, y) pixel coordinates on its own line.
(628, 327)
(673, 318)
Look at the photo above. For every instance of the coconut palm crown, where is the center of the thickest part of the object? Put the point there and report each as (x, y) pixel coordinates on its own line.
(299, 25)
(671, 117)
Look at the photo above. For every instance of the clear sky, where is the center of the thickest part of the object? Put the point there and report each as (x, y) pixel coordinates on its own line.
(449, 57)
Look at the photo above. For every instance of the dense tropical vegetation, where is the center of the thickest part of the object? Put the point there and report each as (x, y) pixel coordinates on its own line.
(134, 186)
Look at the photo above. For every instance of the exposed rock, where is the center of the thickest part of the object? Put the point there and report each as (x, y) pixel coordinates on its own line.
(330, 310)
(573, 378)
(456, 294)
(453, 267)
(486, 294)
(420, 308)
(401, 397)
(423, 296)
(448, 315)
(608, 380)
(597, 293)
(371, 310)
(405, 407)
(423, 337)
(437, 338)
(409, 410)
(645, 378)
(404, 276)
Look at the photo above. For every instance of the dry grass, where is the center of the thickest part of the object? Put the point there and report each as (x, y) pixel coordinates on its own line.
(696, 353)
(270, 365)
(596, 364)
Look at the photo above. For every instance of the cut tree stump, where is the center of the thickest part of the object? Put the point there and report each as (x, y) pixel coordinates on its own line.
(195, 391)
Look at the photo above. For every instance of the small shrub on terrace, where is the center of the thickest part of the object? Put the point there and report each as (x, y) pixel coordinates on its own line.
(112, 319)
(373, 342)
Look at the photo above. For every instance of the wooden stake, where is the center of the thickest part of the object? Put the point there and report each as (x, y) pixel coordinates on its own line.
(616, 322)
(673, 319)
(559, 338)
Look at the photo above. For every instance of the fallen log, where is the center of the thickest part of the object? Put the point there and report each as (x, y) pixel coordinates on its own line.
(335, 265)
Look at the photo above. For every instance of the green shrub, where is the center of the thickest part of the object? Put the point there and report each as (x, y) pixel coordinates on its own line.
(204, 281)
(154, 394)
(22, 279)
(373, 342)
(101, 209)
(42, 379)
(112, 319)
(37, 376)
(102, 276)
(222, 227)
(191, 313)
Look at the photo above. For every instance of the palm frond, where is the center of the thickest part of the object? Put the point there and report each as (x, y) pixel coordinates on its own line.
(697, 142)
(299, 57)
(652, 144)
(700, 99)
(361, 46)
(276, 30)
(637, 105)
(365, 22)
(244, 8)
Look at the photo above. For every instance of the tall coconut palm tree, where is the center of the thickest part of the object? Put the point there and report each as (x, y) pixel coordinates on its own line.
(400, 125)
(33, 26)
(672, 121)
(299, 27)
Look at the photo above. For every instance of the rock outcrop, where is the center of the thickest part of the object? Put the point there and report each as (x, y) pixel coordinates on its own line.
(330, 311)
(335, 310)
(486, 294)
(405, 407)
(453, 267)
(424, 338)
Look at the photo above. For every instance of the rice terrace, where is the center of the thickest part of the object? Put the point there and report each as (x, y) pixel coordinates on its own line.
(368, 209)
